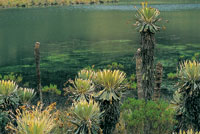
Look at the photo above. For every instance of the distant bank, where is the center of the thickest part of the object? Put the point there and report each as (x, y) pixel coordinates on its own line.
(44, 3)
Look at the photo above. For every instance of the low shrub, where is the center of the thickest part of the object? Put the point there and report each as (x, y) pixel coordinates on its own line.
(157, 115)
(51, 89)
(115, 66)
(171, 76)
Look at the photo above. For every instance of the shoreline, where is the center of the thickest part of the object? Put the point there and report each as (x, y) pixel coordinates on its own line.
(115, 2)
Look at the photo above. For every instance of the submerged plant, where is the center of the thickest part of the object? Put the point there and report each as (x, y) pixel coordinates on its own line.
(109, 97)
(85, 116)
(80, 88)
(35, 120)
(26, 95)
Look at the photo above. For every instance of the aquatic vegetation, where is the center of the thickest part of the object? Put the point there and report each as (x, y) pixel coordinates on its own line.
(85, 116)
(81, 89)
(52, 89)
(26, 95)
(109, 97)
(35, 120)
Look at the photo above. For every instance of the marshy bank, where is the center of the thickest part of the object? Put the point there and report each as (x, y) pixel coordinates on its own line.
(47, 3)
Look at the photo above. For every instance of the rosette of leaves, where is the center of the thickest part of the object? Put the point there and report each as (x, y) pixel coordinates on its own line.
(7, 87)
(80, 88)
(86, 74)
(146, 18)
(8, 98)
(26, 95)
(36, 120)
(109, 97)
(189, 90)
(85, 116)
(188, 132)
(9, 102)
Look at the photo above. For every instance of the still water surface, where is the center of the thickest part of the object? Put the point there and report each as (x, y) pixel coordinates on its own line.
(74, 37)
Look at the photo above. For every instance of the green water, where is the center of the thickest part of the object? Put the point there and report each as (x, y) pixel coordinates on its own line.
(78, 36)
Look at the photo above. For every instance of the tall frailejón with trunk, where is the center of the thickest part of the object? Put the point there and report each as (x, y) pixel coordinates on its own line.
(109, 97)
(37, 62)
(146, 23)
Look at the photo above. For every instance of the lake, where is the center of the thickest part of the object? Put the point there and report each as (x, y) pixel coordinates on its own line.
(74, 37)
